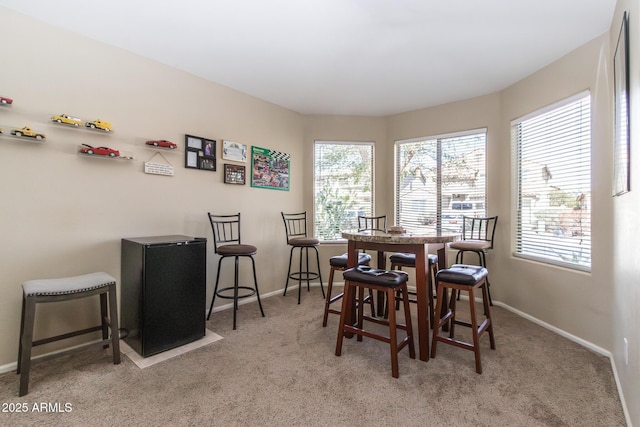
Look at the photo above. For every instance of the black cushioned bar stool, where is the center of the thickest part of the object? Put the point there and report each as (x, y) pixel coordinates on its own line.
(399, 260)
(295, 226)
(385, 281)
(461, 277)
(339, 263)
(63, 289)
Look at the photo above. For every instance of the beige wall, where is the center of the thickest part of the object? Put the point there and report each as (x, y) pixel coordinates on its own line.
(63, 214)
(625, 225)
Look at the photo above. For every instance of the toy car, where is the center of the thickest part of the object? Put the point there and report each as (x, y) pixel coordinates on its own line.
(99, 151)
(4, 100)
(63, 118)
(99, 124)
(163, 143)
(26, 131)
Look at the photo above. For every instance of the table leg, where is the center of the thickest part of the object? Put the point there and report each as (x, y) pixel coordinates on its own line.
(443, 262)
(422, 297)
(382, 265)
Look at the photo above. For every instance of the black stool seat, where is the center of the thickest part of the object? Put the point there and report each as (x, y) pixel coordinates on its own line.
(340, 261)
(389, 282)
(375, 276)
(63, 289)
(462, 274)
(410, 259)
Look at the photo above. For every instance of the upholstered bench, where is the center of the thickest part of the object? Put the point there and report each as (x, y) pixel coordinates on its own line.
(63, 289)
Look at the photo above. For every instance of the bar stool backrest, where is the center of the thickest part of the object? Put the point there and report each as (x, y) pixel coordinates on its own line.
(474, 228)
(226, 229)
(375, 223)
(295, 224)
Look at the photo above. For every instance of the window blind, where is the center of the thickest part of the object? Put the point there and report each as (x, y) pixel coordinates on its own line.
(439, 180)
(553, 174)
(343, 186)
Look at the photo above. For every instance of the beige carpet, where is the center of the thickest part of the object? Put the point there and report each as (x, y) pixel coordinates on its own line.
(281, 371)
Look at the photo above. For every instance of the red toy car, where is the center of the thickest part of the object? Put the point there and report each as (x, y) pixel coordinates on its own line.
(4, 100)
(163, 143)
(100, 151)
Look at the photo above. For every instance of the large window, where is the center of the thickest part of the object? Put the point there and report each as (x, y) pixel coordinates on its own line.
(441, 179)
(552, 150)
(343, 186)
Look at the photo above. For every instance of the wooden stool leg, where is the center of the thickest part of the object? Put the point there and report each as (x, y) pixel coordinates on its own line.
(393, 336)
(486, 301)
(26, 341)
(474, 330)
(438, 322)
(407, 315)
(327, 300)
(113, 320)
(347, 303)
(360, 310)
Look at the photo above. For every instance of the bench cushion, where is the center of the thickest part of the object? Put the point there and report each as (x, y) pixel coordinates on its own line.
(67, 285)
(340, 261)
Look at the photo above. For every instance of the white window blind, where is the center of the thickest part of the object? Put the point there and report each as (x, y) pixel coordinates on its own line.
(441, 179)
(553, 176)
(343, 186)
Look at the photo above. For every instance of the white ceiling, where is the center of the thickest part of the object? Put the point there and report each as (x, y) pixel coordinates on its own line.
(360, 57)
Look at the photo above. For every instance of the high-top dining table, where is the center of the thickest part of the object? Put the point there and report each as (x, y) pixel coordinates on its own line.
(407, 242)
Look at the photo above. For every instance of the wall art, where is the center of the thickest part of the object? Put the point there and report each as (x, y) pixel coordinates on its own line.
(270, 169)
(199, 153)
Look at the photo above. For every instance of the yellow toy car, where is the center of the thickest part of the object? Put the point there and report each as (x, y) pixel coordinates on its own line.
(99, 124)
(26, 131)
(66, 119)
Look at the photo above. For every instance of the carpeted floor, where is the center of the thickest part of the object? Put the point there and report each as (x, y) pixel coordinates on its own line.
(281, 371)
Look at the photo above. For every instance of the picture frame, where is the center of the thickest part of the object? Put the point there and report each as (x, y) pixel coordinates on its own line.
(621, 140)
(199, 153)
(234, 174)
(270, 169)
(234, 151)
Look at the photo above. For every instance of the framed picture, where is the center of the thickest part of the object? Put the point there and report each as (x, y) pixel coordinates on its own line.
(270, 169)
(199, 153)
(621, 141)
(234, 151)
(234, 174)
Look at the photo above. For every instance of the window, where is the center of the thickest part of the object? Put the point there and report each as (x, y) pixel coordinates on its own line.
(552, 150)
(343, 186)
(441, 179)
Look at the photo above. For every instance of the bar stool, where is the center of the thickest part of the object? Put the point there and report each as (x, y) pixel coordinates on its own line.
(295, 226)
(339, 263)
(399, 260)
(227, 243)
(385, 281)
(63, 289)
(461, 277)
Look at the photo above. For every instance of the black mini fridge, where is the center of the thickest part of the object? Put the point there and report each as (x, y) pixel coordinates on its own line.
(163, 291)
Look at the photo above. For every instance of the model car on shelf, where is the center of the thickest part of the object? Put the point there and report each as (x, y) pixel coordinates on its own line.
(99, 151)
(162, 143)
(66, 119)
(26, 131)
(99, 124)
(5, 100)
